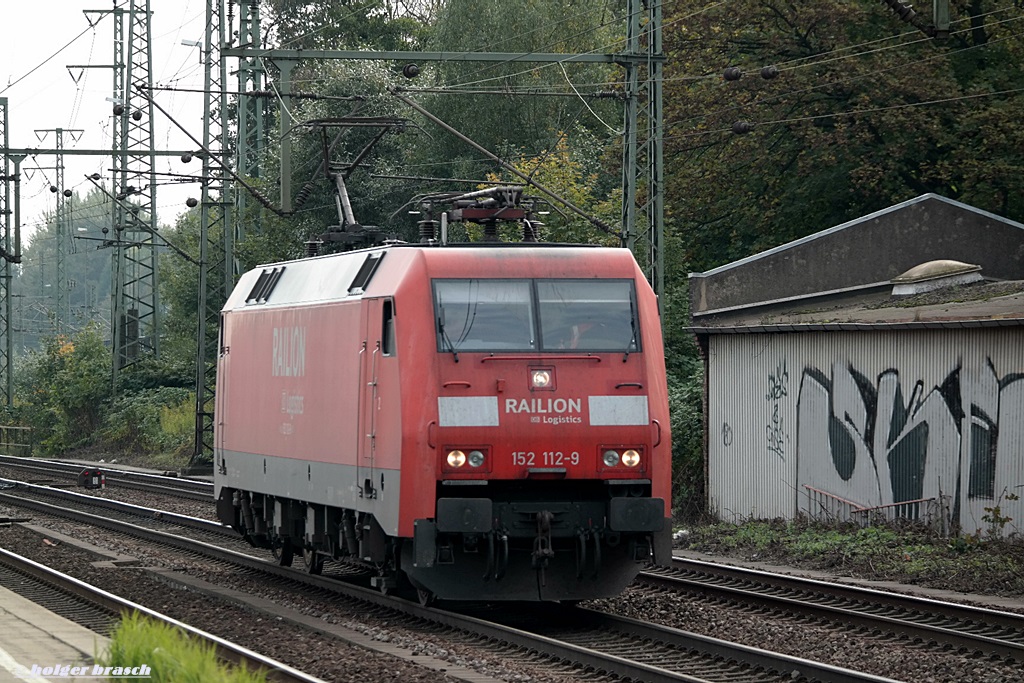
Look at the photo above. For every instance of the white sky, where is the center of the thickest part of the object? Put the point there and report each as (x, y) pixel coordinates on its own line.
(47, 98)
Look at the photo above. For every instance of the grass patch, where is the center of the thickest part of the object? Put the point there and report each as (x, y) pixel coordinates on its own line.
(909, 554)
(171, 655)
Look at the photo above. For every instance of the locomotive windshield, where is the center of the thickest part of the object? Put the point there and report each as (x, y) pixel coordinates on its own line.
(536, 315)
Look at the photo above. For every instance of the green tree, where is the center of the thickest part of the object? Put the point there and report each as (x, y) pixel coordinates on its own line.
(865, 112)
(570, 174)
(518, 108)
(87, 269)
(63, 388)
(348, 24)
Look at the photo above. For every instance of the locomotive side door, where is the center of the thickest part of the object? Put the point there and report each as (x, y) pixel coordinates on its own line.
(374, 348)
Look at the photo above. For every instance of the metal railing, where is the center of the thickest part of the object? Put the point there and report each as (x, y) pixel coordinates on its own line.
(827, 506)
(16, 440)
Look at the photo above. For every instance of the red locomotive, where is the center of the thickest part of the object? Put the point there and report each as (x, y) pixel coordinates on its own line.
(485, 422)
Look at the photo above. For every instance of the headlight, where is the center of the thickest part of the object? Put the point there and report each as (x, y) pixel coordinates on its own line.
(540, 379)
(458, 458)
(475, 459)
(611, 458)
(631, 458)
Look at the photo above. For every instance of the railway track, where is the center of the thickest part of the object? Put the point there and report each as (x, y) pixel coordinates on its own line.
(584, 640)
(24, 493)
(165, 484)
(966, 628)
(98, 609)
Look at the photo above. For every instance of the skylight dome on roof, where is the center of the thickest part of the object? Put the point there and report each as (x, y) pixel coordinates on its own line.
(934, 275)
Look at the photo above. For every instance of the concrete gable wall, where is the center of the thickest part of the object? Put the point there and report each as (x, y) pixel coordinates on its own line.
(869, 250)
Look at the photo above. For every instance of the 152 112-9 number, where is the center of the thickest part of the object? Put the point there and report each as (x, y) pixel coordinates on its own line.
(545, 458)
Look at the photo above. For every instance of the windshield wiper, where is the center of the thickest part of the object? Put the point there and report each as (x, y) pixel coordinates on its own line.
(631, 344)
(444, 334)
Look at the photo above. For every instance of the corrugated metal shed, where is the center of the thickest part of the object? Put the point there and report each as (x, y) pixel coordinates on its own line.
(851, 404)
(845, 425)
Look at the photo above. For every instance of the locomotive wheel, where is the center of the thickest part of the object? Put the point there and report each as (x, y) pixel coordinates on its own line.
(283, 554)
(312, 561)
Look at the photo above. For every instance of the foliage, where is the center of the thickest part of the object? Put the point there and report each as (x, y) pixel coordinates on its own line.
(63, 392)
(347, 24)
(490, 102)
(171, 655)
(685, 394)
(62, 388)
(863, 114)
(994, 516)
(86, 268)
(149, 421)
(564, 171)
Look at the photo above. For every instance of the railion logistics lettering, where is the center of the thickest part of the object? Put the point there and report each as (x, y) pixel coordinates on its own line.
(538, 406)
(289, 356)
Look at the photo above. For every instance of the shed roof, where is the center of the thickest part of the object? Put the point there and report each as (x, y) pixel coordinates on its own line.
(842, 275)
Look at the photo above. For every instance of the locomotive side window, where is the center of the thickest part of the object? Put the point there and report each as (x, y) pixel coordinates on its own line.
(587, 315)
(387, 333)
(484, 315)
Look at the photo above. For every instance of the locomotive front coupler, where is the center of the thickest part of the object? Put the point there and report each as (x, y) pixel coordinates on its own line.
(583, 536)
(497, 555)
(542, 550)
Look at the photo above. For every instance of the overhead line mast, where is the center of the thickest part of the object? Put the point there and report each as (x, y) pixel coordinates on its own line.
(217, 267)
(10, 242)
(62, 308)
(134, 324)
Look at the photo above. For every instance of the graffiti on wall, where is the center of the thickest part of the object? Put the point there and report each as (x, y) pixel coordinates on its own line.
(890, 439)
(777, 390)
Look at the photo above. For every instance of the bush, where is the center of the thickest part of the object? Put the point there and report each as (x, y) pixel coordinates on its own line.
(63, 388)
(685, 395)
(63, 392)
(149, 421)
(171, 655)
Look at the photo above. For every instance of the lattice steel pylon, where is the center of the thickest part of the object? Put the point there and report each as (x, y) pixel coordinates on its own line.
(643, 209)
(216, 259)
(251, 118)
(134, 324)
(8, 222)
(62, 228)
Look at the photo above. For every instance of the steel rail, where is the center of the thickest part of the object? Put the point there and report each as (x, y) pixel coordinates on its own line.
(277, 671)
(744, 663)
(963, 626)
(158, 483)
(186, 521)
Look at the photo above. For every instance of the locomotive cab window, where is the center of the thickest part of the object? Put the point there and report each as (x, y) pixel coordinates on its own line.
(558, 316)
(587, 315)
(484, 315)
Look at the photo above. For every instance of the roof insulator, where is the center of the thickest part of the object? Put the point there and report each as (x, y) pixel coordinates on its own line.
(902, 9)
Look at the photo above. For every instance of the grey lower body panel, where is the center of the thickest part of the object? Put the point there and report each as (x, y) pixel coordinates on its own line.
(363, 489)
